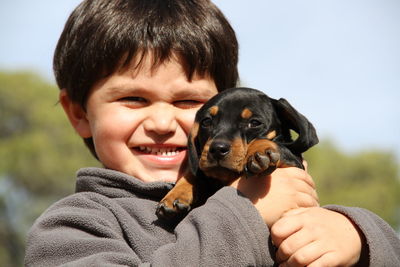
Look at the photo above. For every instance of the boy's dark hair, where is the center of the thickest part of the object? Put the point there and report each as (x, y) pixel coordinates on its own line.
(101, 36)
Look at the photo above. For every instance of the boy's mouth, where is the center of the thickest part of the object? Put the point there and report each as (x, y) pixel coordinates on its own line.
(160, 151)
(161, 156)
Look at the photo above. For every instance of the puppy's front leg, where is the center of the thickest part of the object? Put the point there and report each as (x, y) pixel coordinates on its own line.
(178, 201)
(263, 156)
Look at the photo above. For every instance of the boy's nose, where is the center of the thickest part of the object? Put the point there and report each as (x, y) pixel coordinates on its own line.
(161, 119)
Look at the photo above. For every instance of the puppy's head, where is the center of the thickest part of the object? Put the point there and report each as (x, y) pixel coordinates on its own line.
(229, 121)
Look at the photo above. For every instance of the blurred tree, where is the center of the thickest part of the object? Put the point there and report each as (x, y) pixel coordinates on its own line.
(37, 148)
(368, 179)
(39, 157)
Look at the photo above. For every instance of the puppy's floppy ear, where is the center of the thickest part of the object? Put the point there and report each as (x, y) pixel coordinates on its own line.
(292, 119)
(193, 149)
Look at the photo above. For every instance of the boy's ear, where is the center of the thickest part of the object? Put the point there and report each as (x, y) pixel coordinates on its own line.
(76, 115)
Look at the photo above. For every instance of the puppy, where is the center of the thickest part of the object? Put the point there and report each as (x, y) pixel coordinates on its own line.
(240, 132)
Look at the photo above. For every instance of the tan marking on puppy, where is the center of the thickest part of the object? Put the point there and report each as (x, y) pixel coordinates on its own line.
(223, 175)
(194, 131)
(213, 110)
(271, 135)
(183, 192)
(238, 153)
(246, 113)
(260, 146)
(204, 162)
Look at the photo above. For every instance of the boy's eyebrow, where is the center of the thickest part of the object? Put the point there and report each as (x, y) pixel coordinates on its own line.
(184, 93)
(116, 89)
(123, 88)
(187, 93)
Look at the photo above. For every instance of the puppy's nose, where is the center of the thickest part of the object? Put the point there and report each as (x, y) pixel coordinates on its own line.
(219, 149)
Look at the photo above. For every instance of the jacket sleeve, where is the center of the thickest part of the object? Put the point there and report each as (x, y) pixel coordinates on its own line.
(226, 231)
(77, 231)
(382, 242)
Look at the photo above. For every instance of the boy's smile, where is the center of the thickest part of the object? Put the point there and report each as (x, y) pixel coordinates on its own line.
(140, 118)
(164, 155)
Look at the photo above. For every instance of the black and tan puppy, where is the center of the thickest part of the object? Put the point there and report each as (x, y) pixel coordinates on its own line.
(240, 132)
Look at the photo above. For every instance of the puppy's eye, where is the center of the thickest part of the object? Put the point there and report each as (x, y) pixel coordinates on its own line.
(206, 123)
(254, 123)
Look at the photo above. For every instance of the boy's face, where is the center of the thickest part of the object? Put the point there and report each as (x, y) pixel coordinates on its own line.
(140, 119)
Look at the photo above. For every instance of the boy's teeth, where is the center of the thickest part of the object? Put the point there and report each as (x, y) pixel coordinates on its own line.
(159, 151)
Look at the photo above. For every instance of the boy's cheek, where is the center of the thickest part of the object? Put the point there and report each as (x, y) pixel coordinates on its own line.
(188, 119)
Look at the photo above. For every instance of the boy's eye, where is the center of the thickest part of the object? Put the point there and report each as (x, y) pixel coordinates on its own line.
(132, 99)
(187, 104)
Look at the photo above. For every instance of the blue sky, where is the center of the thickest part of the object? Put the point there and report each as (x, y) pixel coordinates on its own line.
(336, 61)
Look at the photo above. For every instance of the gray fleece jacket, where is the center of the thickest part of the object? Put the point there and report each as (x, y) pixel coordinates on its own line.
(111, 221)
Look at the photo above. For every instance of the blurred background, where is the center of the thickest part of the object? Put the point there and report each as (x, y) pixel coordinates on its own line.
(336, 61)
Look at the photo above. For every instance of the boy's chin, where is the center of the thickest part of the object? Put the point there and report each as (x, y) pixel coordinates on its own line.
(158, 176)
(150, 172)
(169, 179)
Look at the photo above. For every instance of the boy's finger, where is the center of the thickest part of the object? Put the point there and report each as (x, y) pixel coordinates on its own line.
(304, 186)
(307, 254)
(292, 244)
(327, 259)
(305, 200)
(283, 228)
(305, 164)
(304, 176)
(293, 212)
(314, 195)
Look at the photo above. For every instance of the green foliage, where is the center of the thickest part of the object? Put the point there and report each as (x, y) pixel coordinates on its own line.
(368, 179)
(37, 147)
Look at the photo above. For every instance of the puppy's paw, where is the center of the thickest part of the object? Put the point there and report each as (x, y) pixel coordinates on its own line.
(262, 161)
(177, 203)
(172, 209)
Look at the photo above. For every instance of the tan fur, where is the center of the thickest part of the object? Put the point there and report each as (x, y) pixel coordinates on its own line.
(246, 113)
(213, 110)
(271, 135)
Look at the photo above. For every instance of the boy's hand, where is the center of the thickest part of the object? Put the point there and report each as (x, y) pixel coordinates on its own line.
(283, 190)
(316, 237)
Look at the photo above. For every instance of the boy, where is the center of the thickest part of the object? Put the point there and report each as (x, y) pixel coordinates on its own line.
(132, 74)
